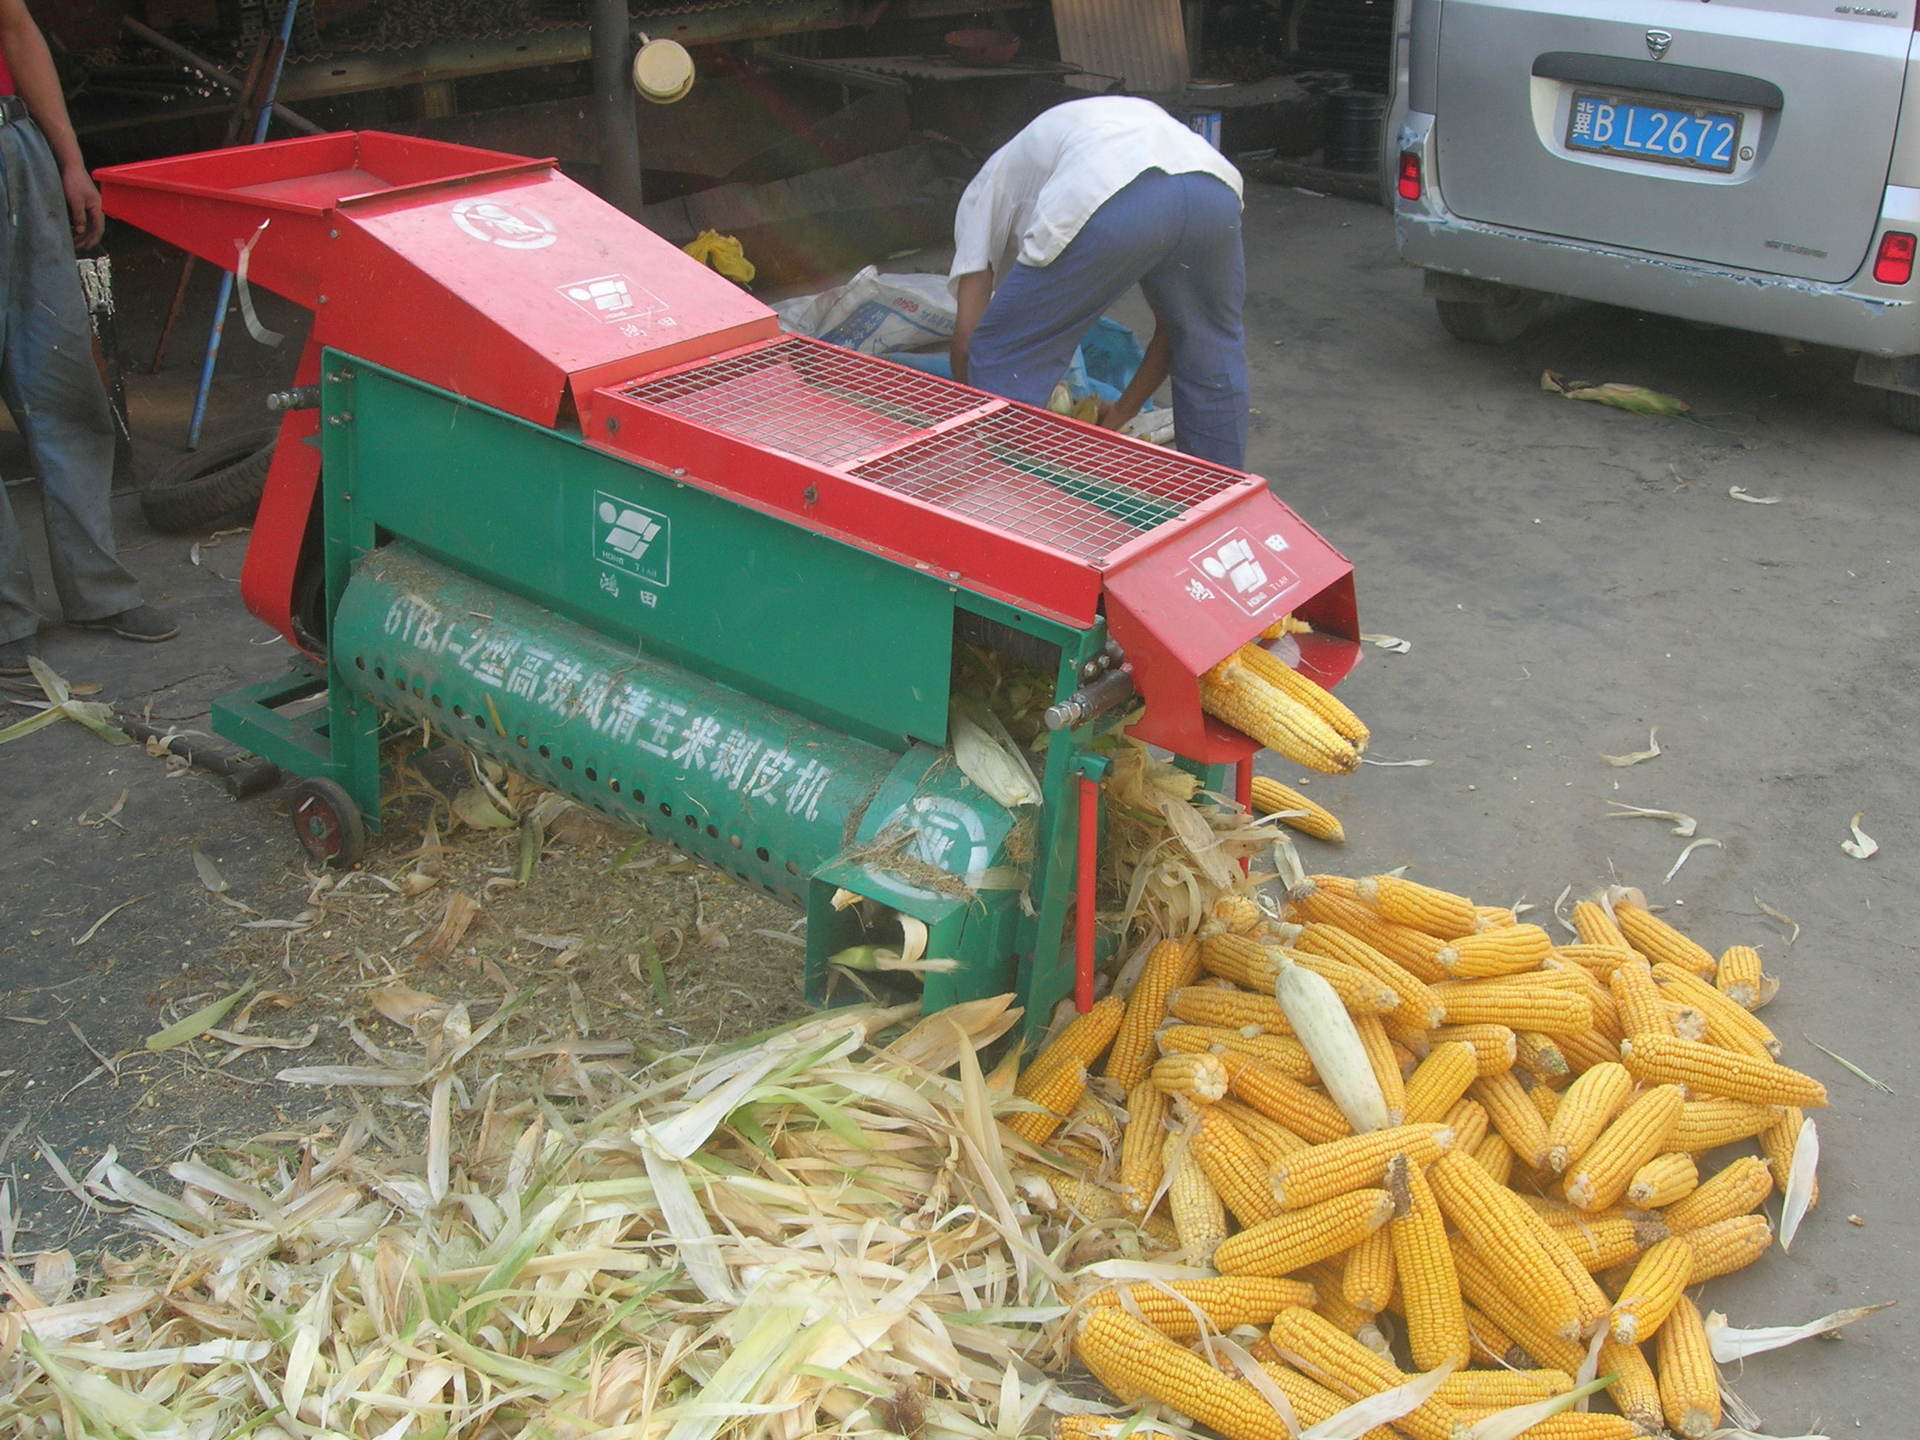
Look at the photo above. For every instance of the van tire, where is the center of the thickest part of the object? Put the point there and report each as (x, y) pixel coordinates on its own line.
(1498, 321)
(1903, 411)
(214, 488)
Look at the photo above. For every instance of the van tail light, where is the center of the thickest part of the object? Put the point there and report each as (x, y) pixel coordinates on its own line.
(1893, 264)
(1409, 186)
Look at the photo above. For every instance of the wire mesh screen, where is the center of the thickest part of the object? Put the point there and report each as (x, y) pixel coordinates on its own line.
(819, 402)
(1084, 493)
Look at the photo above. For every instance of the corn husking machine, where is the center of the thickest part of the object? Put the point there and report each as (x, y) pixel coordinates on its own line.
(554, 487)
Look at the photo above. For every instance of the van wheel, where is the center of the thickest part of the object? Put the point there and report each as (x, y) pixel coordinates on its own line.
(1903, 411)
(1489, 322)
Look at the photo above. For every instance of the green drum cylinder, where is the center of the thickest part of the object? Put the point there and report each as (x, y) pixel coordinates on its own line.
(759, 791)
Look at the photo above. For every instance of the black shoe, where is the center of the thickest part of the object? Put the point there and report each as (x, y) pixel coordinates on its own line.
(143, 622)
(14, 655)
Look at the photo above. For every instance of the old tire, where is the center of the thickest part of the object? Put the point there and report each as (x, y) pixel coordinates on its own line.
(328, 824)
(1903, 411)
(1496, 321)
(214, 488)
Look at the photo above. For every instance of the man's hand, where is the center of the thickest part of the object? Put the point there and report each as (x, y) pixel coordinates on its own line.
(970, 296)
(83, 205)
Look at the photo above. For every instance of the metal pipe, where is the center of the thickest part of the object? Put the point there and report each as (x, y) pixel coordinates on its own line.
(613, 103)
(214, 335)
(224, 79)
(1086, 875)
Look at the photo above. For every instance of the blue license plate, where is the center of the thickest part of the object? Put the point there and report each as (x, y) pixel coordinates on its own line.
(1668, 135)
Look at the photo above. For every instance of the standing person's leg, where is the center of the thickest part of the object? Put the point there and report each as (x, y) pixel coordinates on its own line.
(49, 382)
(1025, 341)
(1197, 292)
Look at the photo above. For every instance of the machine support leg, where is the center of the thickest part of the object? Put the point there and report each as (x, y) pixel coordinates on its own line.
(1086, 878)
(1243, 792)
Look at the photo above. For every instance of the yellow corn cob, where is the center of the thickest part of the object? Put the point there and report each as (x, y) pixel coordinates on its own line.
(1272, 1140)
(1360, 992)
(1546, 1100)
(1728, 1245)
(1529, 1330)
(1342, 885)
(1526, 1254)
(1197, 1077)
(1419, 1005)
(1348, 1368)
(1494, 917)
(1580, 1053)
(1288, 624)
(1490, 1342)
(1081, 1041)
(1233, 693)
(1551, 1012)
(1436, 1315)
(1500, 1389)
(1242, 959)
(1408, 902)
(1140, 1145)
(1204, 1005)
(1634, 1392)
(1281, 1051)
(1440, 1080)
(1707, 1124)
(1663, 1180)
(1494, 1047)
(1168, 966)
(1308, 1113)
(1634, 991)
(1514, 1115)
(1056, 1088)
(1199, 1216)
(1083, 1200)
(1495, 1156)
(1606, 1010)
(1601, 1242)
(1308, 692)
(1088, 1427)
(1689, 1382)
(1413, 950)
(1593, 1425)
(1282, 1245)
(1634, 1136)
(1648, 1297)
(1595, 926)
(1707, 1070)
(1599, 961)
(1232, 1166)
(1684, 1021)
(1740, 977)
(1333, 1307)
(1738, 1189)
(1132, 1359)
(1728, 1024)
(1367, 1281)
(1385, 1064)
(1174, 1308)
(1657, 940)
(1778, 1142)
(1295, 810)
(1313, 1404)
(1233, 915)
(1354, 1162)
(1512, 950)
(1468, 1121)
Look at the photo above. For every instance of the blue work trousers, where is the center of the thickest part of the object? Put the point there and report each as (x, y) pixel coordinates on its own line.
(50, 383)
(1178, 238)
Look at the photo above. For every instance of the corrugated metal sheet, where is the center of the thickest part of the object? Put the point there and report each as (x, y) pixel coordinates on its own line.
(1142, 42)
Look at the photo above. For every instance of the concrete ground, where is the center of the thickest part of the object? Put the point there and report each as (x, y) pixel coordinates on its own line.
(1569, 577)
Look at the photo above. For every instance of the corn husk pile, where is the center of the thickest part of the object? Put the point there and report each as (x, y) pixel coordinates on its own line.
(1412, 1134)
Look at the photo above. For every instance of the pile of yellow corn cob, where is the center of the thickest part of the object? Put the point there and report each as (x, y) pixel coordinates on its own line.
(1531, 1192)
(1262, 696)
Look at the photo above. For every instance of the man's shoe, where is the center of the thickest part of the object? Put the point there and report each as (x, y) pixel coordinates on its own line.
(14, 655)
(143, 622)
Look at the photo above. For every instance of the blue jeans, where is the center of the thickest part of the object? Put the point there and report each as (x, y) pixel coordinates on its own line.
(49, 382)
(1178, 238)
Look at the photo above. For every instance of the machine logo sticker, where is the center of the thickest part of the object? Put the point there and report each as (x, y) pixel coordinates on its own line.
(941, 832)
(1230, 563)
(513, 227)
(632, 539)
(614, 299)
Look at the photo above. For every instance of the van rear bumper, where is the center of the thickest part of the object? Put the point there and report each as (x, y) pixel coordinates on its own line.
(1858, 314)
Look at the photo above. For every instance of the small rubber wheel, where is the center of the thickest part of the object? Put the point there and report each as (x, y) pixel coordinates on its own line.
(1903, 411)
(1497, 321)
(216, 487)
(328, 824)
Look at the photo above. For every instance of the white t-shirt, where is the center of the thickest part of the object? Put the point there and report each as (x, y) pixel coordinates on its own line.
(1036, 191)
